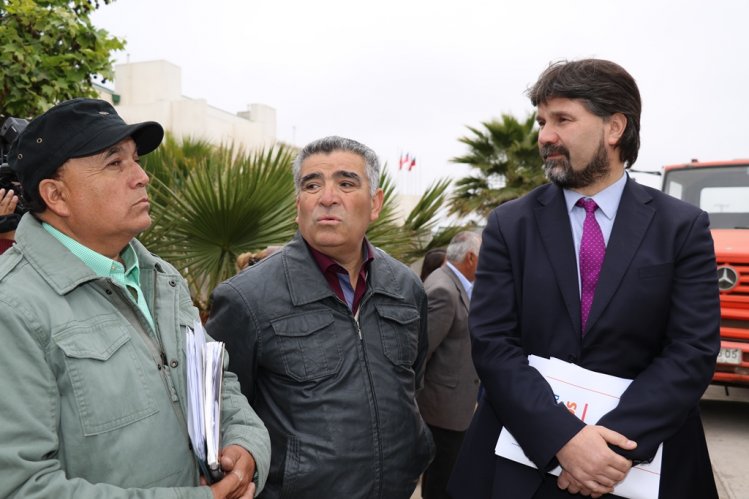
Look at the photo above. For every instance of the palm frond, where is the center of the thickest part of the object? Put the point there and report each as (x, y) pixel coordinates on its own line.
(219, 209)
(504, 156)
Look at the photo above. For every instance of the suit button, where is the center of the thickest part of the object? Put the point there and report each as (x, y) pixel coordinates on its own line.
(572, 358)
(475, 382)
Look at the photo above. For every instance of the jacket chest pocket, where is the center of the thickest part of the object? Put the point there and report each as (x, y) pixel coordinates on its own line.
(399, 332)
(309, 345)
(106, 374)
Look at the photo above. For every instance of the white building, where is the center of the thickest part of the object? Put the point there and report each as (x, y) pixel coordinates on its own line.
(152, 91)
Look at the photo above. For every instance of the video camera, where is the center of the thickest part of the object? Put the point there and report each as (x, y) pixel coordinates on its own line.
(11, 128)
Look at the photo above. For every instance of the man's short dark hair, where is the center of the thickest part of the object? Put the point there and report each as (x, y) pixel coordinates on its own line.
(333, 143)
(604, 88)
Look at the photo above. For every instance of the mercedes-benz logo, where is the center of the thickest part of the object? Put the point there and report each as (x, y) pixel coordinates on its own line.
(728, 278)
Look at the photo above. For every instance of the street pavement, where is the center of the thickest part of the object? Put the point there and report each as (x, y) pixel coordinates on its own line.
(726, 420)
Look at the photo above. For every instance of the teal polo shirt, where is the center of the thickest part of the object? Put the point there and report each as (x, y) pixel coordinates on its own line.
(127, 276)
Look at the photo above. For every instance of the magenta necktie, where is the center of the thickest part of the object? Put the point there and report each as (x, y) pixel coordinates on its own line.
(592, 251)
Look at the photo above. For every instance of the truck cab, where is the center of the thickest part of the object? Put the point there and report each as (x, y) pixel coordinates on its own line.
(721, 188)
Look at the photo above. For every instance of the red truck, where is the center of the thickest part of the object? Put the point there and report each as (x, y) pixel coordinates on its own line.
(721, 188)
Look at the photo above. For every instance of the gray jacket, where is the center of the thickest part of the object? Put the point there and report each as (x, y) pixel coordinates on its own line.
(337, 394)
(450, 383)
(88, 407)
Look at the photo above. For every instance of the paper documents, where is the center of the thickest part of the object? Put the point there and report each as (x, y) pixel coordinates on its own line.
(588, 395)
(205, 372)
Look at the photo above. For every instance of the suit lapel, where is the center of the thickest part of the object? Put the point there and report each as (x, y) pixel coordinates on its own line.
(554, 227)
(456, 280)
(633, 216)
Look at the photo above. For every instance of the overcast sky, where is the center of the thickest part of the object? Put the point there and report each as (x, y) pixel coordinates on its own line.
(408, 76)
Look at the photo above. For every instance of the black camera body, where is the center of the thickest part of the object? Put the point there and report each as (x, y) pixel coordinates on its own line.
(11, 128)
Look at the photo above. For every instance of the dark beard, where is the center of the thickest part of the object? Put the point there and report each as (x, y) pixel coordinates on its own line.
(560, 172)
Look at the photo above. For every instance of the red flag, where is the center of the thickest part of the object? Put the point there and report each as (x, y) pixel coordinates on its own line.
(403, 161)
(412, 163)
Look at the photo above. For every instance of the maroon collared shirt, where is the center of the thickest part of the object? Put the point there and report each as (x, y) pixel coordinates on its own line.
(5, 244)
(338, 278)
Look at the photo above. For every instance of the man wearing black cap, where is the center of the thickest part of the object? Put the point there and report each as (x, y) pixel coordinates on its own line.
(92, 370)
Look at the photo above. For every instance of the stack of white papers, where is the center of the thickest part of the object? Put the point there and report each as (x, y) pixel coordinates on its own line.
(589, 396)
(204, 363)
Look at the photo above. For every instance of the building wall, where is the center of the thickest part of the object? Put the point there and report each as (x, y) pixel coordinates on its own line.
(406, 203)
(152, 91)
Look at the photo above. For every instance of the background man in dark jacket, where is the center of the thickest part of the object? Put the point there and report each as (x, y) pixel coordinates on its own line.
(450, 381)
(625, 285)
(328, 337)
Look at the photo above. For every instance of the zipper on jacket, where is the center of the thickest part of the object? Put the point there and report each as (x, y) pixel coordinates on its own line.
(355, 318)
(356, 322)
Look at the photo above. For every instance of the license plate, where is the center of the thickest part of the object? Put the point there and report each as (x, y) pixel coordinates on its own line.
(729, 356)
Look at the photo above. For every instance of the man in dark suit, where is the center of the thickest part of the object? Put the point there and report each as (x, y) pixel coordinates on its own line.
(448, 398)
(644, 306)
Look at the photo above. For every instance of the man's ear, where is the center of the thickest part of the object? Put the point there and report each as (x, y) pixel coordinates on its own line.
(377, 201)
(473, 260)
(54, 194)
(617, 125)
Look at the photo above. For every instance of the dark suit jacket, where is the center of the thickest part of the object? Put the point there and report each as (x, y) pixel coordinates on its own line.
(450, 382)
(655, 319)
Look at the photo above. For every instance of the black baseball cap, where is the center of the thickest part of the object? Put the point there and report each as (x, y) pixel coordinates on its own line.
(73, 129)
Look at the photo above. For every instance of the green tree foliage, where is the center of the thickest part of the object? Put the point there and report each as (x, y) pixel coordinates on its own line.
(506, 163)
(50, 52)
(210, 204)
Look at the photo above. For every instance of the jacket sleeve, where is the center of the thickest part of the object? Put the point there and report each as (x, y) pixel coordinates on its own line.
(521, 398)
(659, 400)
(241, 426)
(231, 322)
(29, 442)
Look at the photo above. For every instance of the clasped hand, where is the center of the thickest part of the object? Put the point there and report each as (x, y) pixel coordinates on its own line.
(589, 466)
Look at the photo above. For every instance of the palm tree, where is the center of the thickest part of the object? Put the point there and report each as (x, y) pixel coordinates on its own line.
(506, 164)
(217, 205)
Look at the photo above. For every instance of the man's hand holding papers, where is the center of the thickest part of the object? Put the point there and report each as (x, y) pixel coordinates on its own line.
(588, 465)
(239, 468)
(229, 471)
